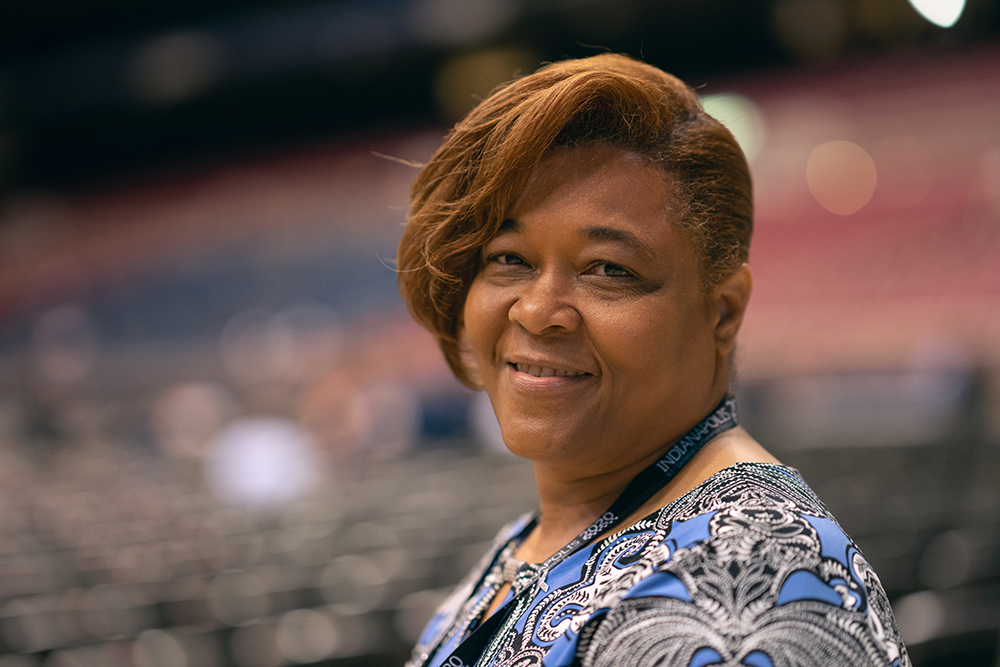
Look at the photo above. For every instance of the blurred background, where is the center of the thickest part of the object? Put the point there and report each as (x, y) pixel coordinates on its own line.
(223, 443)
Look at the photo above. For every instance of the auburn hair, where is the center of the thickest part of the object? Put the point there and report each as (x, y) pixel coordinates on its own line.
(466, 190)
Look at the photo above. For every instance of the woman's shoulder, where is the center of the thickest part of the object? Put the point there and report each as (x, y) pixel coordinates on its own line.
(752, 568)
(749, 484)
(760, 493)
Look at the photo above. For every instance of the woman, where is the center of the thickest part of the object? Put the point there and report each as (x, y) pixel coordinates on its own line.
(578, 245)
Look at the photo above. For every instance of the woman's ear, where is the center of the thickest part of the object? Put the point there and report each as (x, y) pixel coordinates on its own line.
(730, 299)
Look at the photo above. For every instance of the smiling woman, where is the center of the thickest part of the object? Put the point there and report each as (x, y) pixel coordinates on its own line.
(578, 245)
(586, 316)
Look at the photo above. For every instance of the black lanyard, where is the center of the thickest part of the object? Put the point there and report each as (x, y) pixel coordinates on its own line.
(643, 487)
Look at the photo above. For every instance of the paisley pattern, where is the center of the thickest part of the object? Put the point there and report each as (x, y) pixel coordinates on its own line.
(749, 569)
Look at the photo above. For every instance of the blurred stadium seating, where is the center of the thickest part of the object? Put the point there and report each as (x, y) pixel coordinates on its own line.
(142, 324)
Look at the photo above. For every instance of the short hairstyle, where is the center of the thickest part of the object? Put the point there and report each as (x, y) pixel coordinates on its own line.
(467, 189)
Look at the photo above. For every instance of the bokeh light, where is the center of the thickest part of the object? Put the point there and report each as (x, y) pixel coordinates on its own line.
(262, 461)
(841, 176)
(186, 417)
(741, 117)
(919, 616)
(456, 22)
(307, 636)
(158, 648)
(892, 22)
(945, 561)
(353, 584)
(811, 29)
(944, 13)
(173, 67)
(465, 79)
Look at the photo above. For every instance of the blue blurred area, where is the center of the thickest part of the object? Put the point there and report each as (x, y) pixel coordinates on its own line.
(197, 303)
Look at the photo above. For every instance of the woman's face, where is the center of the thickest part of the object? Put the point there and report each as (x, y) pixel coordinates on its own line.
(586, 320)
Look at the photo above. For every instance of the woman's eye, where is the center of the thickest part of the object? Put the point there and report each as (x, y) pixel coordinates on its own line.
(506, 258)
(611, 270)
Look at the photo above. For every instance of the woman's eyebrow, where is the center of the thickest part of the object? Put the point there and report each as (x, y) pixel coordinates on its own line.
(614, 235)
(509, 225)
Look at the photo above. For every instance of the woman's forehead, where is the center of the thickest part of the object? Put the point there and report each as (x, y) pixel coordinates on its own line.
(597, 172)
(597, 155)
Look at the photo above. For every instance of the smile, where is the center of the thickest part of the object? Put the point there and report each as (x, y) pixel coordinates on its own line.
(543, 372)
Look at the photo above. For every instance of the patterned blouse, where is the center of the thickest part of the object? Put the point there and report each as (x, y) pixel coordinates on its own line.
(749, 568)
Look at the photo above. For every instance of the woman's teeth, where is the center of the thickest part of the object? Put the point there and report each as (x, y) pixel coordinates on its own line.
(542, 372)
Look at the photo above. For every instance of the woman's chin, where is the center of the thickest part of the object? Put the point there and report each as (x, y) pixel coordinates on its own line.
(537, 444)
(561, 446)
(528, 449)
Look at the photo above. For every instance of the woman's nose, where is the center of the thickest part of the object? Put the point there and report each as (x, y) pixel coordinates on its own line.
(546, 306)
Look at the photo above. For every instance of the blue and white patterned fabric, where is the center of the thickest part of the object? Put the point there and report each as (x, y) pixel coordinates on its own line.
(749, 568)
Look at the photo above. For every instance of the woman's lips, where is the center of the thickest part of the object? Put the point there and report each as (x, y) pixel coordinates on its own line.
(534, 381)
(539, 371)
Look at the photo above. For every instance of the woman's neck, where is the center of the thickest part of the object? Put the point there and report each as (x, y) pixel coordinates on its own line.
(571, 504)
